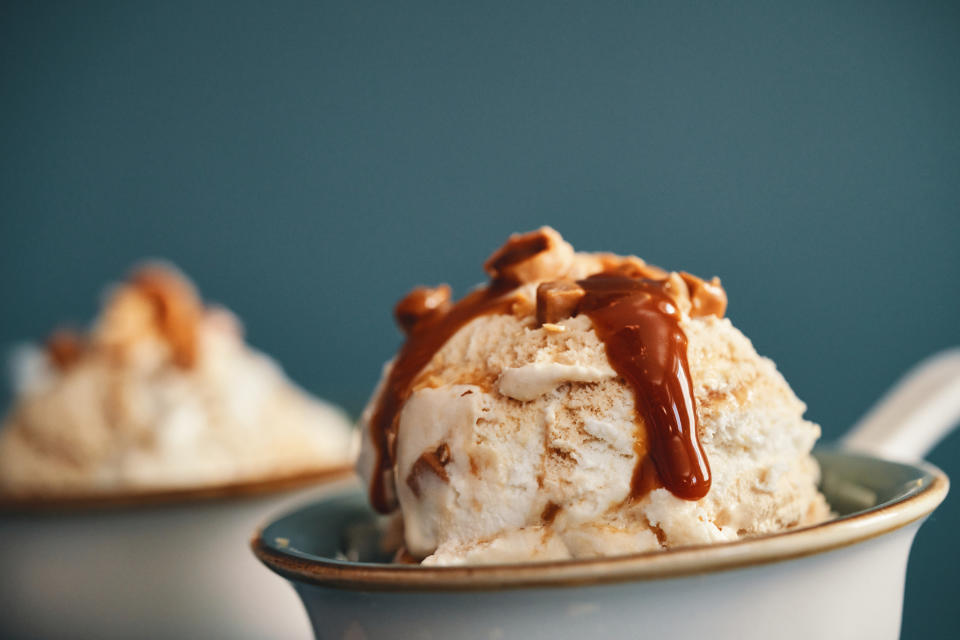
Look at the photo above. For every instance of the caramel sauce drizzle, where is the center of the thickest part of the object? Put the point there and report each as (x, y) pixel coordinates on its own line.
(640, 326)
(634, 315)
(424, 339)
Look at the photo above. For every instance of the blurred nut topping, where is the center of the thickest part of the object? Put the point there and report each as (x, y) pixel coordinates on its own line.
(161, 392)
(156, 301)
(64, 347)
(177, 309)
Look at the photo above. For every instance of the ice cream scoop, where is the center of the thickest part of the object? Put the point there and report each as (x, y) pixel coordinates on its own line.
(581, 405)
(162, 393)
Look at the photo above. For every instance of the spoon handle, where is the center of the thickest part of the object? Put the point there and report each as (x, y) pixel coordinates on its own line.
(917, 413)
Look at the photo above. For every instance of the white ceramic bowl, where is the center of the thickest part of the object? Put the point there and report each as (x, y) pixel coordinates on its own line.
(158, 565)
(840, 579)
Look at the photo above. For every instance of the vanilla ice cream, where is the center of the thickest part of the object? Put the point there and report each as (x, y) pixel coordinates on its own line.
(162, 393)
(582, 405)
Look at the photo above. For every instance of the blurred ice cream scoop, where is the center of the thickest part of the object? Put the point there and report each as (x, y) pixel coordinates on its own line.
(161, 393)
(578, 405)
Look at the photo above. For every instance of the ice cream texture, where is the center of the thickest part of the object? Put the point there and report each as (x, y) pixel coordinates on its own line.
(581, 405)
(161, 393)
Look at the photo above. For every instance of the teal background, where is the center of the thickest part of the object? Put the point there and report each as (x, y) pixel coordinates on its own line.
(306, 163)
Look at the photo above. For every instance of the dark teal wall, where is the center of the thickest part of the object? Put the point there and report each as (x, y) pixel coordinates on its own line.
(306, 163)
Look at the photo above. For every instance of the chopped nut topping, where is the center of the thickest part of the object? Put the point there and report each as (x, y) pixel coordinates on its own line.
(706, 298)
(64, 348)
(529, 257)
(630, 266)
(553, 328)
(420, 303)
(522, 306)
(557, 300)
(676, 287)
(177, 308)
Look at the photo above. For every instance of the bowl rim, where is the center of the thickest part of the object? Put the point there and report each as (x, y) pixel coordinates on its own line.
(652, 565)
(38, 503)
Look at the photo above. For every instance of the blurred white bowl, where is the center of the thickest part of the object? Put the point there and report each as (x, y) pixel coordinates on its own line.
(158, 565)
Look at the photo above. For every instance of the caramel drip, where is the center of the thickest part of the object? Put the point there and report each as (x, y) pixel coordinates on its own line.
(639, 324)
(635, 313)
(424, 339)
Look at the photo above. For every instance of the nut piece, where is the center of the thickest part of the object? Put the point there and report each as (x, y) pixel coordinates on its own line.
(530, 257)
(557, 300)
(420, 303)
(177, 309)
(676, 287)
(64, 348)
(706, 298)
(159, 302)
(630, 266)
(522, 306)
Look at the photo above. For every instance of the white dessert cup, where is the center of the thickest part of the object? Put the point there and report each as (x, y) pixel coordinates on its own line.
(171, 564)
(840, 579)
